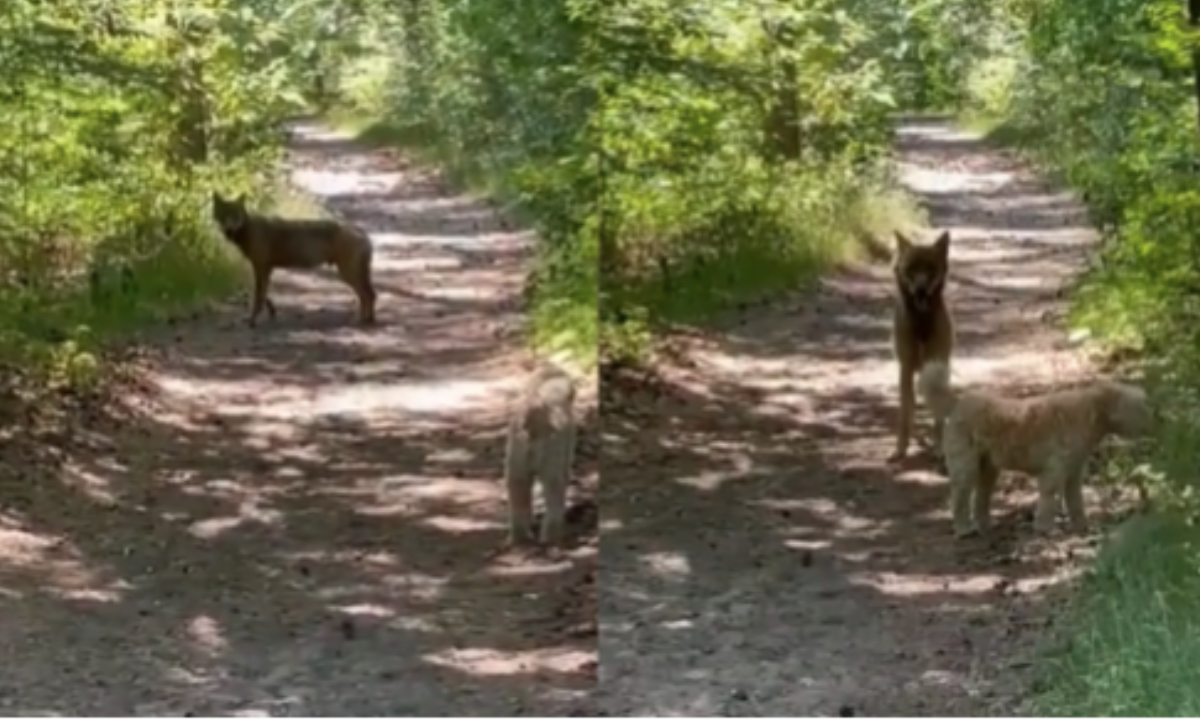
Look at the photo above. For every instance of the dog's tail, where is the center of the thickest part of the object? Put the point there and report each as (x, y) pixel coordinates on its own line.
(933, 385)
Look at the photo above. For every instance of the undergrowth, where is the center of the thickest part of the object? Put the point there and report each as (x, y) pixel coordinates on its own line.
(757, 246)
(1127, 647)
(117, 124)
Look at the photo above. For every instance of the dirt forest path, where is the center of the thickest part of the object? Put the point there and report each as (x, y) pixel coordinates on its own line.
(759, 557)
(300, 519)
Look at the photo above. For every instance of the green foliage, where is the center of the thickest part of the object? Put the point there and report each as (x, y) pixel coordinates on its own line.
(741, 147)
(944, 54)
(117, 121)
(687, 153)
(726, 167)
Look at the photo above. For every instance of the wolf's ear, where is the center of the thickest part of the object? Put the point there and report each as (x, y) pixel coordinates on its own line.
(903, 244)
(216, 198)
(942, 244)
(240, 200)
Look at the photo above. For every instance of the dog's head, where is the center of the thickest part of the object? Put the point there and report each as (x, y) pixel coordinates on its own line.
(230, 215)
(1128, 410)
(921, 269)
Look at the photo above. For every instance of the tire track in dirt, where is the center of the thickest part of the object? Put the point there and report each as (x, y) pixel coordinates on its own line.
(300, 519)
(759, 556)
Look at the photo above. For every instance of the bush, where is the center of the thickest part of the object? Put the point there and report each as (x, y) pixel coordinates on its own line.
(117, 123)
(730, 172)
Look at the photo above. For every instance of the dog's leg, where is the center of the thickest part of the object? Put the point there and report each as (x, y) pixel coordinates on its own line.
(1050, 488)
(907, 409)
(986, 487)
(1073, 497)
(518, 478)
(963, 466)
(554, 473)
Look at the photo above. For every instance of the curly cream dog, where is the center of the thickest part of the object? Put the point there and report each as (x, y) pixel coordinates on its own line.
(1050, 437)
(541, 447)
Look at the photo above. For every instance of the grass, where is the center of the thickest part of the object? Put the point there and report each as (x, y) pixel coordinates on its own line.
(1129, 643)
(781, 249)
(59, 331)
(191, 273)
(787, 258)
(563, 313)
(1132, 635)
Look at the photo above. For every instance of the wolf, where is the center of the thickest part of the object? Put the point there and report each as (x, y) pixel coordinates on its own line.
(273, 242)
(922, 326)
(541, 445)
(1050, 437)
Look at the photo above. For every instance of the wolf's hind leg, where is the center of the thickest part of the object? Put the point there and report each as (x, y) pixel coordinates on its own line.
(357, 274)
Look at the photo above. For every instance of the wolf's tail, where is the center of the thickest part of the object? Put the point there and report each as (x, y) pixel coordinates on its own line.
(933, 385)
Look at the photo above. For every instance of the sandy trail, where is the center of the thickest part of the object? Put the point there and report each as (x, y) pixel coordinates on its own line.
(760, 558)
(300, 519)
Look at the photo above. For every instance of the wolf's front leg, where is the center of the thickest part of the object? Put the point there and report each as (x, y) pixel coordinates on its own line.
(262, 281)
(904, 422)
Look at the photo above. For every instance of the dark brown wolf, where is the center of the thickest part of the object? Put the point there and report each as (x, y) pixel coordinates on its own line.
(541, 446)
(922, 329)
(273, 242)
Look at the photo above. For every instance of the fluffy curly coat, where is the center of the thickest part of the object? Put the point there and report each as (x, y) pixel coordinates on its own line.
(1050, 437)
(541, 447)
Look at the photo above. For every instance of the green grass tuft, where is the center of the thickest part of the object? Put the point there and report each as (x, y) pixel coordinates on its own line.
(1132, 637)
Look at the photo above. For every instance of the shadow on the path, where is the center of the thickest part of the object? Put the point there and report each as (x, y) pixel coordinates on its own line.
(338, 568)
(718, 503)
